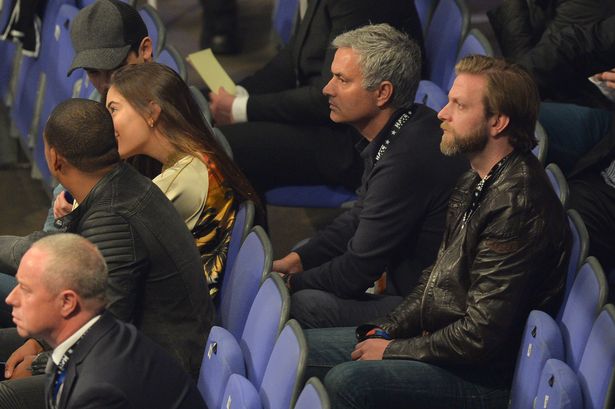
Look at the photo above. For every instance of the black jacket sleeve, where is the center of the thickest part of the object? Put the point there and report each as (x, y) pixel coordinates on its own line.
(12, 249)
(126, 262)
(394, 206)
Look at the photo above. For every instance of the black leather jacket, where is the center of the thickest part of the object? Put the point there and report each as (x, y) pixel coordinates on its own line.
(509, 258)
(156, 277)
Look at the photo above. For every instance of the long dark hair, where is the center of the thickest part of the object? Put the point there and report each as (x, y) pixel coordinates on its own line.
(180, 119)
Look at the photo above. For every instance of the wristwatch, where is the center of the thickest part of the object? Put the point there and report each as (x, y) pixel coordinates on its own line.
(40, 363)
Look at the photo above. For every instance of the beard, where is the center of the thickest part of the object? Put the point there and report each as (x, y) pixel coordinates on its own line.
(454, 143)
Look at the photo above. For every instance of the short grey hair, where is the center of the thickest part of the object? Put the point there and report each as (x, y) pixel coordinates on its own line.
(74, 263)
(385, 54)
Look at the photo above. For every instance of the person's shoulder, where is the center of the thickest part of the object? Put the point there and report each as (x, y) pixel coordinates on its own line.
(187, 173)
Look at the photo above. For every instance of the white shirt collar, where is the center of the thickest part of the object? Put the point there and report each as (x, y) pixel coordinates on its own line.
(61, 349)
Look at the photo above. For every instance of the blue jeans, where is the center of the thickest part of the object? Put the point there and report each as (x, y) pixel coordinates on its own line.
(398, 383)
(572, 130)
(49, 226)
(321, 309)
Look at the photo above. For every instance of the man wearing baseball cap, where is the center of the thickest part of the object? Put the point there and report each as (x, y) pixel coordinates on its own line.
(107, 35)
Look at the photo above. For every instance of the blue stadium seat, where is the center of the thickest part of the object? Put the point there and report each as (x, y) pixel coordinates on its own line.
(578, 250)
(597, 367)
(474, 43)
(8, 49)
(542, 340)
(558, 182)
(268, 314)
(559, 387)
(430, 94)
(244, 220)
(282, 379)
(170, 57)
(313, 396)
(424, 9)
(239, 288)
(285, 14)
(8, 13)
(447, 27)
(586, 299)
(155, 28)
(221, 359)
(58, 87)
(30, 83)
(240, 394)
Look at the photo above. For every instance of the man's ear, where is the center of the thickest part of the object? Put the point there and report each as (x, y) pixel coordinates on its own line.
(146, 50)
(384, 93)
(498, 123)
(69, 302)
(55, 161)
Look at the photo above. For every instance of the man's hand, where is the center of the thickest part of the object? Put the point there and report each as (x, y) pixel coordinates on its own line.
(608, 77)
(61, 207)
(370, 350)
(221, 105)
(290, 264)
(18, 364)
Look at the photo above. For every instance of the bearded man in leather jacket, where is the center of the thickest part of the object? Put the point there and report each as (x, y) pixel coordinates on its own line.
(453, 341)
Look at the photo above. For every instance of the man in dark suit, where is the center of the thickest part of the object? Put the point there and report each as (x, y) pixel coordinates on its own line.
(278, 122)
(98, 361)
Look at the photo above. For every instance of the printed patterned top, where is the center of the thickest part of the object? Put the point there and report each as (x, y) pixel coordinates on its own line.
(197, 190)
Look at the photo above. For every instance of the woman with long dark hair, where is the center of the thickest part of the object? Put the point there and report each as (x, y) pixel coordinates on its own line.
(154, 114)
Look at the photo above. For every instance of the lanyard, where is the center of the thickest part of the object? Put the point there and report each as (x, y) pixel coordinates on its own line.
(481, 187)
(60, 374)
(401, 121)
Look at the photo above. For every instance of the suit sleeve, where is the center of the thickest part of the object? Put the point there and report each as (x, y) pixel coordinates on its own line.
(127, 264)
(395, 203)
(496, 299)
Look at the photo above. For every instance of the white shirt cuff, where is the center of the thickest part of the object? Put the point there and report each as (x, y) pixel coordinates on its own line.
(239, 109)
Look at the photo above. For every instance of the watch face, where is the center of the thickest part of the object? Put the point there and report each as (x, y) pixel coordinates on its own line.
(39, 363)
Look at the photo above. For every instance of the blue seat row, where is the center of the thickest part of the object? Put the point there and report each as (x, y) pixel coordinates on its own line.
(571, 359)
(255, 357)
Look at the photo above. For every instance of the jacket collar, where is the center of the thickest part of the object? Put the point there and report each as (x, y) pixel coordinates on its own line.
(89, 340)
(370, 149)
(65, 222)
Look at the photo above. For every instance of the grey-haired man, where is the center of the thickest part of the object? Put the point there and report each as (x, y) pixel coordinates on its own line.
(398, 219)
